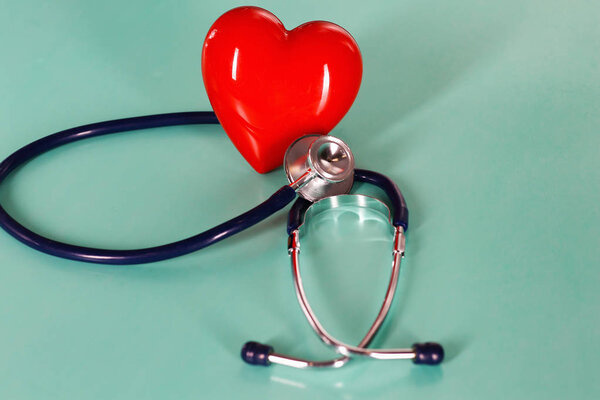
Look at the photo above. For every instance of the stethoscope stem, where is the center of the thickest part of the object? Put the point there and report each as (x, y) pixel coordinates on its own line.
(304, 179)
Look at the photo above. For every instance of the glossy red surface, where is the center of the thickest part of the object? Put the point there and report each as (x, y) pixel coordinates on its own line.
(269, 86)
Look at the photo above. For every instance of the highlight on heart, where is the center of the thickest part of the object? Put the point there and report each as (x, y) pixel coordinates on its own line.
(269, 86)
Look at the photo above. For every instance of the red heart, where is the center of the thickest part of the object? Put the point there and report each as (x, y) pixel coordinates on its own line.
(269, 86)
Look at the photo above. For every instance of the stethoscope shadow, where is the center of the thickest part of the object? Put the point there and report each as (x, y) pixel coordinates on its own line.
(410, 58)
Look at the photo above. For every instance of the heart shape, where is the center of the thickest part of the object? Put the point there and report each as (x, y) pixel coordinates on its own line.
(269, 86)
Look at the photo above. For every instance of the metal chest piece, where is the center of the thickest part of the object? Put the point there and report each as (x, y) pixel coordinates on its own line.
(319, 166)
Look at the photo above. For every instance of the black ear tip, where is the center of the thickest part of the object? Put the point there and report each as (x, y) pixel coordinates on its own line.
(256, 353)
(429, 353)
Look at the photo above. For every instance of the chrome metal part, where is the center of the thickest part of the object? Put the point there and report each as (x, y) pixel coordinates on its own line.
(319, 166)
(281, 359)
(346, 350)
(343, 348)
(293, 242)
(399, 241)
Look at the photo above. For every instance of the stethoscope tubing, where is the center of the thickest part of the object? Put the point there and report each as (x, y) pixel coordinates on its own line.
(276, 202)
(254, 353)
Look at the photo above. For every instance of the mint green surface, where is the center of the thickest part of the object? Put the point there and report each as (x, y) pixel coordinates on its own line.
(486, 114)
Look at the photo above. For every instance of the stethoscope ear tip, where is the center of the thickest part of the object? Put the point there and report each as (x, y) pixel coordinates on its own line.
(428, 353)
(256, 353)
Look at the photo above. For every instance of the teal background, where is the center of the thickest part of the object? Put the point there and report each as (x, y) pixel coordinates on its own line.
(487, 115)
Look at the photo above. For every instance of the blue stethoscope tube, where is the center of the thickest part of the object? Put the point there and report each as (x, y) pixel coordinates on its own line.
(253, 353)
(276, 202)
(139, 256)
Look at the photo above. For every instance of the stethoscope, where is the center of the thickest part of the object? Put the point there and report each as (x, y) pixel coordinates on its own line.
(320, 169)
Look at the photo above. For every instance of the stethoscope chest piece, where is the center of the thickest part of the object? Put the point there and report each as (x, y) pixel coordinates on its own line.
(319, 166)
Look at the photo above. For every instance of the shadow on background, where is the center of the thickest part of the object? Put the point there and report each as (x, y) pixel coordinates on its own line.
(411, 59)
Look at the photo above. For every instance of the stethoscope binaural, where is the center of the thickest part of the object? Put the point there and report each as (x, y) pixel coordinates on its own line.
(320, 169)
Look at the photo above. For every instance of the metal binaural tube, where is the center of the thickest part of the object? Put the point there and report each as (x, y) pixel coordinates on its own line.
(343, 348)
(294, 250)
(319, 166)
(428, 353)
